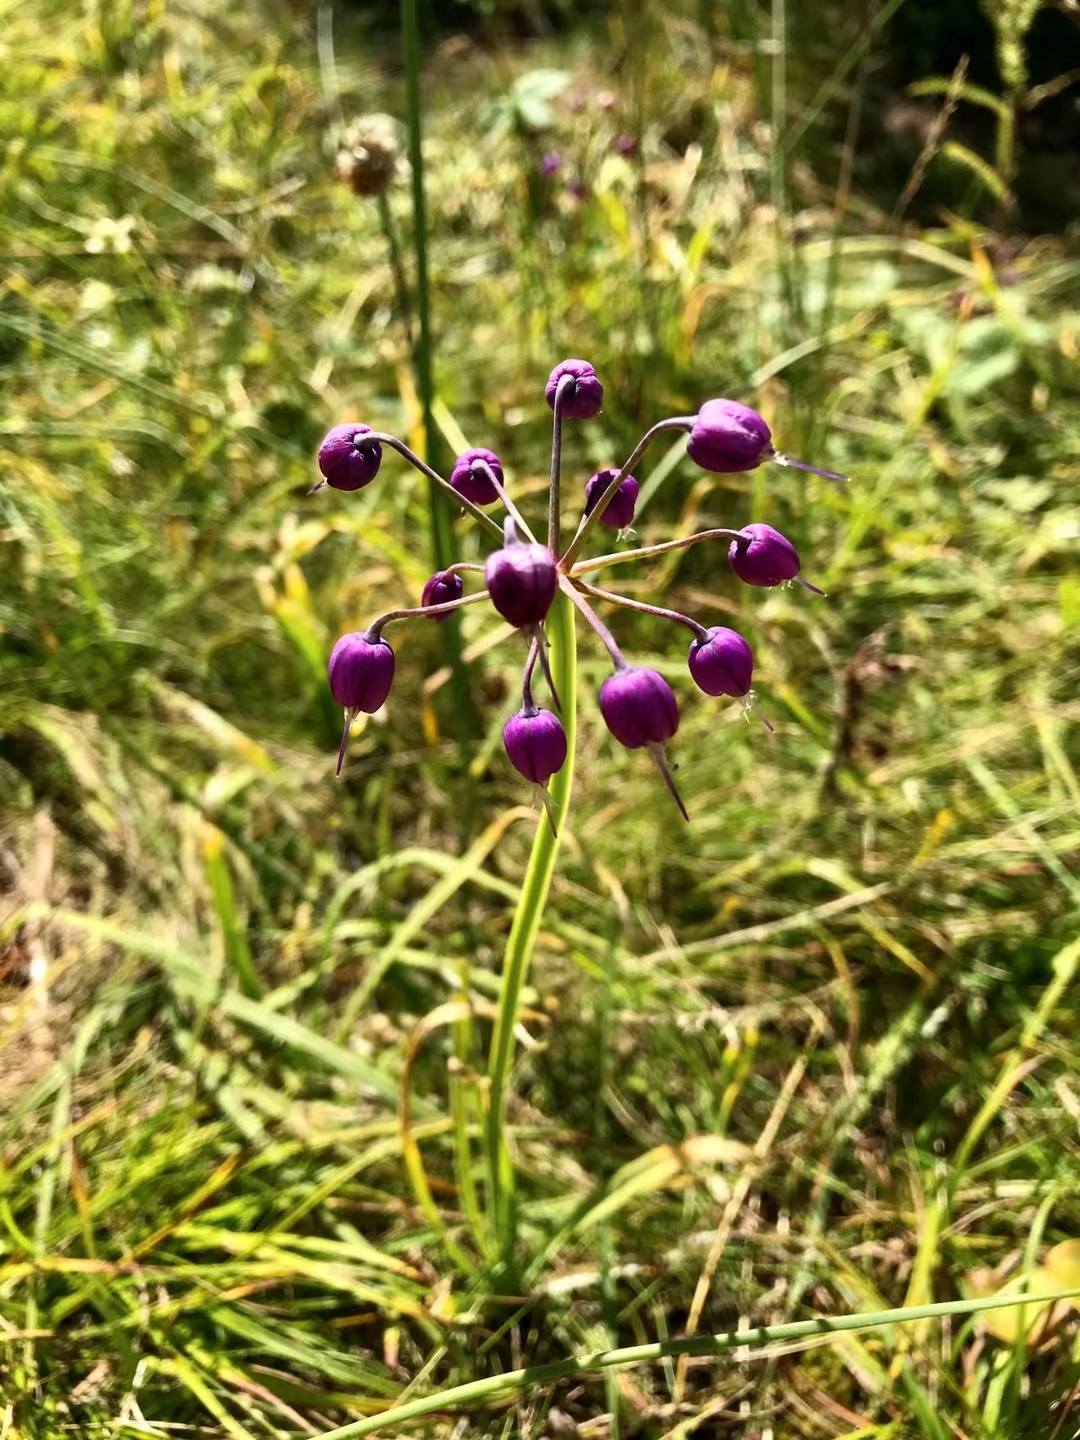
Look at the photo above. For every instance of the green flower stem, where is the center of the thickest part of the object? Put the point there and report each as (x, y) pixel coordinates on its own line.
(511, 509)
(494, 1386)
(566, 382)
(574, 595)
(423, 349)
(397, 269)
(519, 947)
(440, 513)
(620, 557)
(661, 611)
(436, 479)
(429, 612)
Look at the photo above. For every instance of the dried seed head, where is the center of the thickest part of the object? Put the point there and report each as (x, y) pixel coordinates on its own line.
(368, 157)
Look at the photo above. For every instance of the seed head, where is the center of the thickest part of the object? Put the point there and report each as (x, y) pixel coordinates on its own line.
(346, 460)
(620, 512)
(728, 437)
(639, 707)
(361, 672)
(521, 580)
(581, 400)
(440, 590)
(469, 480)
(536, 744)
(368, 157)
(723, 664)
(765, 558)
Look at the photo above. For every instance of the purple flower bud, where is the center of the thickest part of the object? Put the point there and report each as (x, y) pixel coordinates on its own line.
(440, 590)
(469, 480)
(347, 463)
(626, 145)
(728, 437)
(581, 400)
(620, 513)
(723, 664)
(765, 558)
(521, 580)
(536, 744)
(549, 165)
(639, 707)
(361, 672)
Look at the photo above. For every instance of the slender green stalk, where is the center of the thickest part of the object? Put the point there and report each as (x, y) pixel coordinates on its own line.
(527, 917)
(554, 513)
(493, 1386)
(620, 557)
(397, 269)
(660, 611)
(422, 345)
(422, 349)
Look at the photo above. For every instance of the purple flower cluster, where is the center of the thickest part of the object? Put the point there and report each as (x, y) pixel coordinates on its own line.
(523, 575)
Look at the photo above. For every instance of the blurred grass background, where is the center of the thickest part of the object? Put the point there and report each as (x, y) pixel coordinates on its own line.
(815, 1052)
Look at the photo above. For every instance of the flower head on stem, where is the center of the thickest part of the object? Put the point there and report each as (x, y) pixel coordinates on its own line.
(539, 589)
(522, 576)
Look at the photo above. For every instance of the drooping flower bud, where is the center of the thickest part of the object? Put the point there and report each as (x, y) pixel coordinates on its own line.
(765, 557)
(535, 743)
(728, 437)
(346, 460)
(361, 672)
(470, 481)
(521, 580)
(723, 664)
(440, 590)
(639, 707)
(620, 512)
(584, 397)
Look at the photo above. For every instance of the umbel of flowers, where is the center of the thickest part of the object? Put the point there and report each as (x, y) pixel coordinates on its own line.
(524, 573)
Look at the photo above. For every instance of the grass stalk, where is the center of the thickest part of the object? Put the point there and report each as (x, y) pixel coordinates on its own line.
(422, 352)
(763, 1337)
(527, 917)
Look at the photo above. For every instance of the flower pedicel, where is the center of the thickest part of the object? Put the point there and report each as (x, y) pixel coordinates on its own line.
(522, 576)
